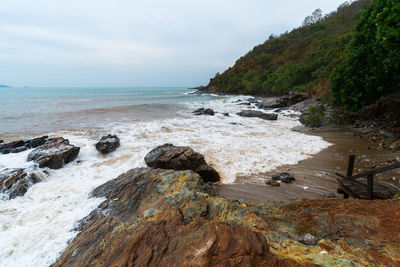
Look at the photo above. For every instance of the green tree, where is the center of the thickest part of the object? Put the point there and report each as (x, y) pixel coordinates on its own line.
(373, 67)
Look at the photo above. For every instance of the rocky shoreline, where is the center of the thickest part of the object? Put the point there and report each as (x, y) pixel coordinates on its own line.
(156, 217)
(173, 213)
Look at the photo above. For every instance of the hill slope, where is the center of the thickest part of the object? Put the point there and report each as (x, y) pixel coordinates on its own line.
(302, 60)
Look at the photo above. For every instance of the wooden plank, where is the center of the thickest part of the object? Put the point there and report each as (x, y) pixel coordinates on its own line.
(341, 175)
(387, 168)
(365, 174)
(350, 165)
(354, 181)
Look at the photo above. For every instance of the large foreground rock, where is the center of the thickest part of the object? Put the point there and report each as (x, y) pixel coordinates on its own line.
(173, 157)
(108, 144)
(154, 217)
(15, 182)
(54, 154)
(258, 114)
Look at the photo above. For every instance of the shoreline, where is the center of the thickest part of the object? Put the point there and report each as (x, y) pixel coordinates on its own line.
(315, 176)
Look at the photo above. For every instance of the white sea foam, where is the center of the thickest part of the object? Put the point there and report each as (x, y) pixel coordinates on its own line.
(35, 228)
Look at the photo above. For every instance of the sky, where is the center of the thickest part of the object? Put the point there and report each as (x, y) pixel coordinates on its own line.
(136, 43)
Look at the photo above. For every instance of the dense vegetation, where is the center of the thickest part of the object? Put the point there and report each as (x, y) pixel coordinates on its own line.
(302, 60)
(373, 67)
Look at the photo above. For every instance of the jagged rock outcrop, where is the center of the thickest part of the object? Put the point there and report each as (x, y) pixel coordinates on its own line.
(258, 114)
(21, 145)
(15, 182)
(303, 105)
(173, 157)
(155, 217)
(282, 101)
(108, 144)
(54, 154)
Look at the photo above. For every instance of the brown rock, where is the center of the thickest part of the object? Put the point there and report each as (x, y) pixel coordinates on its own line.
(155, 217)
(119, 233)
(173, 157)
(108, 144)
(15, 182)
(54, 154)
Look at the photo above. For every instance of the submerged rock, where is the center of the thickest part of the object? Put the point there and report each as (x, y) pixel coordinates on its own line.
(284, 177)
(54, 154)
(329, 195)
(258, 114)
(173, 157)
(108, 144)
(15, 182)
(273, 183)
(203, 111)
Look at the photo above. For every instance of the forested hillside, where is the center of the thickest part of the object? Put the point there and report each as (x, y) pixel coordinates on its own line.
(373, 66)
(301, 60)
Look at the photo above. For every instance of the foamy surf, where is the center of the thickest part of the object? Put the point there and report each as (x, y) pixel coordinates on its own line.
(35, 228)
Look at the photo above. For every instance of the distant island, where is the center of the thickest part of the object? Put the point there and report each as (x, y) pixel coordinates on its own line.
(4, 86)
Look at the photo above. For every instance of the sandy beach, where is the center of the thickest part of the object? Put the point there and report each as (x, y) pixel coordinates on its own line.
(315, 176)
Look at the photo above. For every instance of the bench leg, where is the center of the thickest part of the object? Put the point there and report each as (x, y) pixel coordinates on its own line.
(345, 195)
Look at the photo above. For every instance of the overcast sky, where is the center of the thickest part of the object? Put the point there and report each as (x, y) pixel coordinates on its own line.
(136, 43)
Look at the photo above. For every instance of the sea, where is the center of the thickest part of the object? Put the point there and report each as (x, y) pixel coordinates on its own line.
(36, 228)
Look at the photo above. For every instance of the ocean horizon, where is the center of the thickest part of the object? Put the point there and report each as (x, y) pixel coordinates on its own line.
(29, 111)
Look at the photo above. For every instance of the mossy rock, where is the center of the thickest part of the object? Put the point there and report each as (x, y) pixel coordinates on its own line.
(314, 116)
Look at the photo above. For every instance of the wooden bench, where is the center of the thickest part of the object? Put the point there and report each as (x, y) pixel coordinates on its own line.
(353, 185)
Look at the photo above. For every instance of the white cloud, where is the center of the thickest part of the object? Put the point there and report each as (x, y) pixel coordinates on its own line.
(34, 43)
(189, 40)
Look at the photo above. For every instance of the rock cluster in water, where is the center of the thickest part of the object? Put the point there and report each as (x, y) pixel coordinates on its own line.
(21, 145)
(15, 182)
(52, 153)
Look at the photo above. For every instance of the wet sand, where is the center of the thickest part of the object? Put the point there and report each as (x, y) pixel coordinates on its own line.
(315, 176)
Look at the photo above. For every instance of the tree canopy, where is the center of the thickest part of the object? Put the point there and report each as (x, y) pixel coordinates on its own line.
(373, 67)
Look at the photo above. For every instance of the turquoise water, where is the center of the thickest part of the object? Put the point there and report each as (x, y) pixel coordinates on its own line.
(30, 111)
